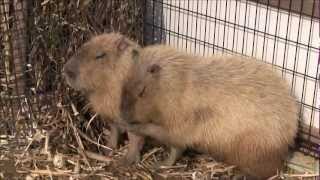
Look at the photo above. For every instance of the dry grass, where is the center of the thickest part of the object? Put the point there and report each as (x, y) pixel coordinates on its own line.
(41, 158)
(86, 157)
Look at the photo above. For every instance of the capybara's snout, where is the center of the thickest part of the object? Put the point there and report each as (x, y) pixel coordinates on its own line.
(70, 69)
(70, 72)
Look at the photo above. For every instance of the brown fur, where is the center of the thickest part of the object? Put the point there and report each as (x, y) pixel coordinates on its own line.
(238, 110)
(99, 68)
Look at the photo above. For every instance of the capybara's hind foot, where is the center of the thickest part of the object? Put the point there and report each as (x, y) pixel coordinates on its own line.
(133, 155)
(175, 153)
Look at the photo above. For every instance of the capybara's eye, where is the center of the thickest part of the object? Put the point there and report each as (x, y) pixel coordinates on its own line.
(100, 55)
(154, 68)
(142, 92)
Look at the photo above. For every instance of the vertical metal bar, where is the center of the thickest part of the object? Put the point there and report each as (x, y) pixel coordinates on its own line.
(244, 29)
(275, 38)
(187, 24)
(205, 27)
(162, 22)
(196, 32)
(295, 65)
(234, 27)
(265, 30)
(215, 26)
(284, 64)
(153, 21)
(254, 30)
(305, 75)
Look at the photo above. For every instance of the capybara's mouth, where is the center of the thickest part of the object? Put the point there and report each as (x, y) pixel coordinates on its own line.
(71, 81)
(68, 74)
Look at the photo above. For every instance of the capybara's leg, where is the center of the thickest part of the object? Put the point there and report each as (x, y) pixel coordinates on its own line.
(174, 155)
(114, 136)
(257, 160)
(152, 130)
(135, 146)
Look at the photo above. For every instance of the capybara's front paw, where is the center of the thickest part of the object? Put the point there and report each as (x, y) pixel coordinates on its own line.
(134, 150)
(112, 144)
(128, 160)
(133, 127)
(114, 136)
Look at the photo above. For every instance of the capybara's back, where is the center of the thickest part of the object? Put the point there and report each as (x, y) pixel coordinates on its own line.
(239, 110)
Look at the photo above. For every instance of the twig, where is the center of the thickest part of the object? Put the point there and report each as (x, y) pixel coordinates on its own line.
(174, 167)
(26, 149)
(46, 143)
(155, 150)
(92, 118)
(76, 134)
(74, 109)
(98, 157)
(81, 147)
(273, 177)
(301, 175)
(50, 172)
(93, 142)
(47, 172)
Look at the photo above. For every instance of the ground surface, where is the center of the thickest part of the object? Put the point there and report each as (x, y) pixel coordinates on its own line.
(30, 162)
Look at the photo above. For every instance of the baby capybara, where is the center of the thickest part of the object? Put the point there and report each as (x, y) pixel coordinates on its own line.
(238, 110)
(98, 69)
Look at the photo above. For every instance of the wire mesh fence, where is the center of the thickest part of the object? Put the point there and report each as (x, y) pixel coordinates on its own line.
(13, 52)
(282, 33)
(36, 39)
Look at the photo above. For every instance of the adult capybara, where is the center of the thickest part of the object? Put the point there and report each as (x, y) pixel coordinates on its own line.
(98, 69)
(238, 110)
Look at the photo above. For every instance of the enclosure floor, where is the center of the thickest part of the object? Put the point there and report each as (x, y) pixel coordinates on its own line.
(35, 163)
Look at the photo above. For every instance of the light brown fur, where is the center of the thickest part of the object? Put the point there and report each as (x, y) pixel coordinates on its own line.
(99, 68)
(236, 109)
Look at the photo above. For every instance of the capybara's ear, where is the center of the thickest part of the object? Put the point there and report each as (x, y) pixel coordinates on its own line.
(154, 68)
(122, 44)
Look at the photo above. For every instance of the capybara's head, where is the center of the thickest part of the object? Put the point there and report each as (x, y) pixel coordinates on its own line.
(99, 62)
(140, 92)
